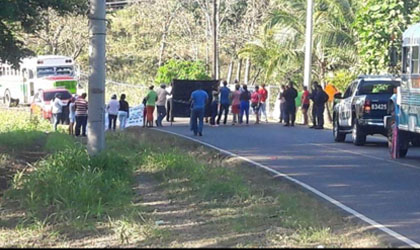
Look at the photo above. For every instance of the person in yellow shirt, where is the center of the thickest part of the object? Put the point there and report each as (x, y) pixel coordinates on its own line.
(331, 90)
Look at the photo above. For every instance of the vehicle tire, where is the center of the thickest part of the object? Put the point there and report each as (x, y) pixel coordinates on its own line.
(338, 136)
(397, 140)
(415, 142)
(359, 138)
(8, 99)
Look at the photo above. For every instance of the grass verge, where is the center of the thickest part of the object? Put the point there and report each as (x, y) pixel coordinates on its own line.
(150, 189)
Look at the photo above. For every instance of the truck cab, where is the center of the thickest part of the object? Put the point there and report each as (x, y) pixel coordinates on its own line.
(361, 110)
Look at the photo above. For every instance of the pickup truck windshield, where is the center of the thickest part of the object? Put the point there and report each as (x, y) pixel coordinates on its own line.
(377, 87)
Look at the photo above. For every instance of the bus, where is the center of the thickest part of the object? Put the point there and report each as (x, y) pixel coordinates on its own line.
(403, 119)
(19, 85)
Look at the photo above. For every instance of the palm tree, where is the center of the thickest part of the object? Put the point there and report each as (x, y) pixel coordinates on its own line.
(281, 44)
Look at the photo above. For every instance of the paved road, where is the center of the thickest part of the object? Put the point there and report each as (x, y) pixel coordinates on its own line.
(361, 178)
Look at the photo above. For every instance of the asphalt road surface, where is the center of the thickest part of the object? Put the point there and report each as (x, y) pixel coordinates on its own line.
(363, 179)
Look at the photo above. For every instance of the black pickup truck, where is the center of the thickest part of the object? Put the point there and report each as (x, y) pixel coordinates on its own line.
(361, 110)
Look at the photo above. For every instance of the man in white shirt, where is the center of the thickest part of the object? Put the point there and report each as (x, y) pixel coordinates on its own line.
(57, 110)
(160, 104)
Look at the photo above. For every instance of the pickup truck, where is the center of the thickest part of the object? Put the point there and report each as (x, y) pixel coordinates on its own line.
(361, 110)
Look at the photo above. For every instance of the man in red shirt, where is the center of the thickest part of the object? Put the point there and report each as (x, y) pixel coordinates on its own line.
(305, 105)
(263, 93)
(81, 106)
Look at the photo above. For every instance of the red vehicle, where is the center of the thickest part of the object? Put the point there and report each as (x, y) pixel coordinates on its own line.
(42, 103)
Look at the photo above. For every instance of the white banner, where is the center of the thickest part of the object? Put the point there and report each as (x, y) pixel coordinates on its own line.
(136, 116)
(135, 119)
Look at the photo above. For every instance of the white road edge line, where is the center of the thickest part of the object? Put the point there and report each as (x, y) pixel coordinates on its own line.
(313, 190)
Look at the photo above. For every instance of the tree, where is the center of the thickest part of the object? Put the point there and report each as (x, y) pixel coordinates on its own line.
(28, 16)
(282, 39)
(380, 25)
(185, 70)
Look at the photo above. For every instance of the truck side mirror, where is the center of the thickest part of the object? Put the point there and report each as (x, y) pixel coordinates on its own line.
(393, 56)
(338, 96)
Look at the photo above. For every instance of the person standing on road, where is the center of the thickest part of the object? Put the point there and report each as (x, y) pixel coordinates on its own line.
(112, 108)
(151, 99)
(282, 104)
(224, 102)
(168, 105)
(290, 95)
(305, 105)
(160, 104)
(72, 115)
(263, 106)
(198, 101)
(320, 99)
(57, 110)
(236, 104)
(255, 103)
(123, 112)
(81, 106)
(244, 98)
(214, 105)
(312, 98)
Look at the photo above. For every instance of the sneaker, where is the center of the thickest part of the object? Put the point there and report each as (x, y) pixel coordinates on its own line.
(312, 126)
(286, 125)
(200, 134)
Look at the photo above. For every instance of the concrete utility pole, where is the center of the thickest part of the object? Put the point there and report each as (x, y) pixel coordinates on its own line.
(308, 45)
(96, 108)
(215, 52)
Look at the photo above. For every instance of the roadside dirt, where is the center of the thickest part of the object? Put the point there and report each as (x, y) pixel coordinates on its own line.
(12, 162)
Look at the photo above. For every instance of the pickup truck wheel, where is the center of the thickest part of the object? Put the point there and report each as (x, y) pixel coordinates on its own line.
(338, 136)
(415, 142)
(359, 138)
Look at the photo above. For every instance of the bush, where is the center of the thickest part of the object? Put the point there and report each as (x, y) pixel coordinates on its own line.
(72, 185)
(341, 79)
(58, 142)
(208, 181)
(185, 70)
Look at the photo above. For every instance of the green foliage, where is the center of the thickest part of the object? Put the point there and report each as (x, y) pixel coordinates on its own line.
(205, 180)
(29, 16)
(185, 70)
(58, 142)
(341, 79)
(379, 26)
(20, 130)
(72, 185)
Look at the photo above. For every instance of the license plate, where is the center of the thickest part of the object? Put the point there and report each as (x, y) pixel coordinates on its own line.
(376, 106)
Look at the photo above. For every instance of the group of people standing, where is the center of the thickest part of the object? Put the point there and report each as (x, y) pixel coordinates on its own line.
(117, 109)
(241, 99)
(288, 110)
(78, 107)
(156, 99)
